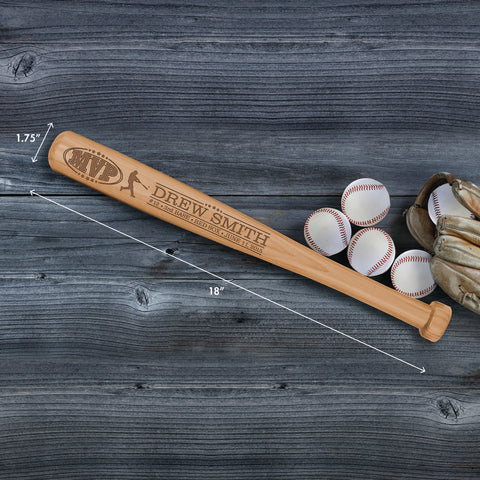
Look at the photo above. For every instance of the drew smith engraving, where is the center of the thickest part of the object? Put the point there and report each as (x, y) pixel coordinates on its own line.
(209, 218)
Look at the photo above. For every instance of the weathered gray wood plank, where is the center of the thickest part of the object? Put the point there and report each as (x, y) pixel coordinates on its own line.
(64, 263)
(116, 432)
(88, 332)
(284, 118)
(117, 363)
(110, 21)
(50, 241)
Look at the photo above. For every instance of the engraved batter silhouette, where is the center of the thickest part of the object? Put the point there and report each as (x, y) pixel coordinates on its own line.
(132, 180)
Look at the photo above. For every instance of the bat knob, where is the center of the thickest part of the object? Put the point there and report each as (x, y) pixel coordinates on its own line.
(437, 323)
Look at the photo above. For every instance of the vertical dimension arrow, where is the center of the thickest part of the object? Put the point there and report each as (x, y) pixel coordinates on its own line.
(34, 158)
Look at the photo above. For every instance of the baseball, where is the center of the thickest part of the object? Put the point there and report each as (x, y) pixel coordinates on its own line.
(327, 231)
(365, 202)
(443, 202)
(371, 251)
(411, 274)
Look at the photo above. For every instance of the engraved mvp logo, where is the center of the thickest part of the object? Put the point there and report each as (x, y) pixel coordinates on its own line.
(92, 165)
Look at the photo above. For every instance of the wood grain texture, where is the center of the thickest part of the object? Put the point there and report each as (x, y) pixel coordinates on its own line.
(115, 361)
(211, 113)
(167, 332)
(110, 21)
(125, 432)
(268, 161)
(83, 249)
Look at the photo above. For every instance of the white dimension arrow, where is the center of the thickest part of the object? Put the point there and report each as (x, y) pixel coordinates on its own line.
(420, 369)
(34, 158)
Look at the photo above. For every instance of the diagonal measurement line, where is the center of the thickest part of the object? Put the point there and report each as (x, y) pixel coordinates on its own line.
(34, 159)
(273, 302)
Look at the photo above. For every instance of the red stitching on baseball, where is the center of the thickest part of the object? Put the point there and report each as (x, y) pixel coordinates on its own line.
(351, 247)
(411, 258)
(340, 224)
(360, 188)
(421, 293)
(383, 260)
(387, 255)
(436, 204)
(372, 221)
(310, 239)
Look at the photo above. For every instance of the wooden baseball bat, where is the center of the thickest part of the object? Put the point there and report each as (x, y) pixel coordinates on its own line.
(118, 176)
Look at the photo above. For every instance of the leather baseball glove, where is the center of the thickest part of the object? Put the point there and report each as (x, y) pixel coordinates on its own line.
(454, 241)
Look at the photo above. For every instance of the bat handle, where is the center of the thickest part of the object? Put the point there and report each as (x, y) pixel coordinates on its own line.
(431, 320)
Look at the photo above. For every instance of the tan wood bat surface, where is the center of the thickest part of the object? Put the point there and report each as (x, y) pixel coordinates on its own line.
(157, 194)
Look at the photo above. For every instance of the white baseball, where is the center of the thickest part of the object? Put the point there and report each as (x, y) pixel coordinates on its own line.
(327, 231)
(371, 251)
(411, 274)
(365, 202)
(443, 202)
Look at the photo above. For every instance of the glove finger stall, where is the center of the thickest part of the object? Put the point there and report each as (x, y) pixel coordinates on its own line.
(461, 283)
(468, 194)
(457, 250)
(462, 227)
